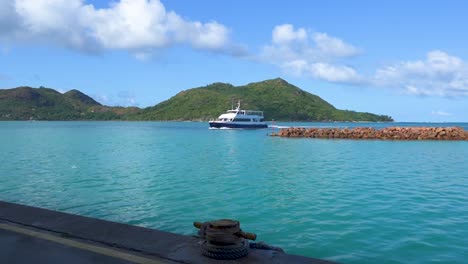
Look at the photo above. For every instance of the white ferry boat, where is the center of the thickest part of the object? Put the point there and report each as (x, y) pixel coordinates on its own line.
(237, 118)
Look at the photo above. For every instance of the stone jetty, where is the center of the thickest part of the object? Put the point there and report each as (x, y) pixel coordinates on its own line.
(388, 133)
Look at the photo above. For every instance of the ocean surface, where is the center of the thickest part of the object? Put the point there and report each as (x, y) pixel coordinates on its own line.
(343, 200)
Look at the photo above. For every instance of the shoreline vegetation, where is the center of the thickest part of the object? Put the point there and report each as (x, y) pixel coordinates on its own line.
(369, 133)
(279, 100)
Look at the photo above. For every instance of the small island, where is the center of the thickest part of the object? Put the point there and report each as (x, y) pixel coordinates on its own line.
(278, 99)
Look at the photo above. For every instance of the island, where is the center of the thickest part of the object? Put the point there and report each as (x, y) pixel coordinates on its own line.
(278, 99)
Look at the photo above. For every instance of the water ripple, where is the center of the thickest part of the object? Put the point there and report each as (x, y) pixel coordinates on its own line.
(343, 200)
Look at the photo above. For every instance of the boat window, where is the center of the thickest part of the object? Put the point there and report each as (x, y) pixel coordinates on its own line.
(257, 113)
(242, 119)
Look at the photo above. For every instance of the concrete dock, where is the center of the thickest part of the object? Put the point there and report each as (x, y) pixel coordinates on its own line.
(35, 235)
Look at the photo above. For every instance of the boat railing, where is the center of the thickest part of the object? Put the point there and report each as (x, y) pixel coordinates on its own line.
(249, 112)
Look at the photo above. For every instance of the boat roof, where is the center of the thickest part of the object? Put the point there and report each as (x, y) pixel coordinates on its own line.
(245, 112)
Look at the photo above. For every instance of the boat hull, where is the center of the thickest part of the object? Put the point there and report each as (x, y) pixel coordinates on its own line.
(237, 125)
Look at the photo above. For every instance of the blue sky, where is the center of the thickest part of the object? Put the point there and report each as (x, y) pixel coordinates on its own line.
(407, 59)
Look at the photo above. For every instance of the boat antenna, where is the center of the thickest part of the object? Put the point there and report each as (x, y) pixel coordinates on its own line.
(232, 103)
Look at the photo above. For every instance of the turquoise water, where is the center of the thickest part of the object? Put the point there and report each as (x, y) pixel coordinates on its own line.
(343, 200)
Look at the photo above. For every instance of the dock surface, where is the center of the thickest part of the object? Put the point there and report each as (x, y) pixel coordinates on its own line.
(35, 235)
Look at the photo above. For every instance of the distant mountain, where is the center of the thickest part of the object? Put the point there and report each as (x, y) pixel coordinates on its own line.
(277, 98)
(80, 99)
(26, 103)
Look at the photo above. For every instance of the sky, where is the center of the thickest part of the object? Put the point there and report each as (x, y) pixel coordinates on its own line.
(406, 59)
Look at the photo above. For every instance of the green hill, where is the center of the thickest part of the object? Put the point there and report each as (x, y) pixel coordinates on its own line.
(277, 98)
(79, 99)
(26, 103)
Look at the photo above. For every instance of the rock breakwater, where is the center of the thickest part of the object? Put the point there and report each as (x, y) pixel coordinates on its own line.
(388, 133)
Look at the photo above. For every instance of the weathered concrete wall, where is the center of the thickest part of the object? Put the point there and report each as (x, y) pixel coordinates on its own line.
(389, 133)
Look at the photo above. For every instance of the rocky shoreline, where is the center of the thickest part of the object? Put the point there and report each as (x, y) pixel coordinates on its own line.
(388, 133)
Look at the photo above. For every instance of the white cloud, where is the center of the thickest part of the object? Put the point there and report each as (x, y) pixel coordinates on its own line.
(334, 46)
(335, 73)
(128, 24)
(297, 52)
(440, 74)
(440, 113)
(321, 56)
(285, 34)
(134, 25)
(323, 71)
